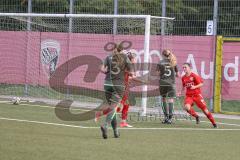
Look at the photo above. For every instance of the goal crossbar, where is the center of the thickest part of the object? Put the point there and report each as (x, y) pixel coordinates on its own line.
(82, 15)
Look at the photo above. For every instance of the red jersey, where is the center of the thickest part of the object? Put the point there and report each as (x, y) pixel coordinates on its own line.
(126, 79)
(126, 82)
(191, 80)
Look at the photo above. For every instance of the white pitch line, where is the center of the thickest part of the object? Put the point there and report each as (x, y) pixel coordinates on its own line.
(52, 107)
(182, 129)
(4, 101)
(47, 123)
(43, 106)
(74, 126)
(227, 124)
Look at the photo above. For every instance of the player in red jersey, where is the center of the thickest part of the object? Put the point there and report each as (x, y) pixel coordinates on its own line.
(125, 101)
(193, 82)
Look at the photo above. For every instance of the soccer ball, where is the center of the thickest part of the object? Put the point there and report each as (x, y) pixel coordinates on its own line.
(16, 100)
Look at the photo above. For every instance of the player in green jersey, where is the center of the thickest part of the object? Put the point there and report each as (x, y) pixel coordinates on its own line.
(167, 70)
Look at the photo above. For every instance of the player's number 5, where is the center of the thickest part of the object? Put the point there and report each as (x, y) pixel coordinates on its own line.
(168, 72)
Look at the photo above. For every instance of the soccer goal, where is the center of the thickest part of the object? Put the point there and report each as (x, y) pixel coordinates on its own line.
(52, 57)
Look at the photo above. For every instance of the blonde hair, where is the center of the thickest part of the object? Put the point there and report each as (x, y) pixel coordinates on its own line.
(171, 57)
(117, 55)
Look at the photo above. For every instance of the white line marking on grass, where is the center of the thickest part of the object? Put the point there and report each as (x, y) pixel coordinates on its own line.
(5, 102)
(181, 129)
(52, 107)
(227, 124)
(74, 126)
(47, 123)
(43, 106)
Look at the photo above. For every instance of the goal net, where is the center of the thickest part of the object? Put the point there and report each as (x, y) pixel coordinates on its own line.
(53, 57)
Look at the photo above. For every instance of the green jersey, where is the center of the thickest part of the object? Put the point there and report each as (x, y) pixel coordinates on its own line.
(116, 68)
(167, 72)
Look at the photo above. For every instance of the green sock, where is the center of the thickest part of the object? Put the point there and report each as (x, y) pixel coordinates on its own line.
(170, 110)
(114, 123)
(107, 120)
(164, 108)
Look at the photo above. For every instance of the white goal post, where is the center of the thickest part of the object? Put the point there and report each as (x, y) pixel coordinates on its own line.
(150, 24)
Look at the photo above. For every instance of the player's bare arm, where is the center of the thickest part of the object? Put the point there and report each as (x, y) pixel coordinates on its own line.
(197, 86)
(134, 77)
(103, 69)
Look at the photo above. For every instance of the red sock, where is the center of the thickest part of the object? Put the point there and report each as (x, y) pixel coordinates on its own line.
(207, 113)
(209, 116)
(192, 112)
(125, 111)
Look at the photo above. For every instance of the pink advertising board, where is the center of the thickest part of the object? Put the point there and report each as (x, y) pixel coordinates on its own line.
(30, 57)
(230, 71)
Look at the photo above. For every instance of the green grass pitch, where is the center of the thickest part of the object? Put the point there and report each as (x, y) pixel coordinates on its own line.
(34, 132)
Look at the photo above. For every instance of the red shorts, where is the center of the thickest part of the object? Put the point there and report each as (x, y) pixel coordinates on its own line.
(197, 99)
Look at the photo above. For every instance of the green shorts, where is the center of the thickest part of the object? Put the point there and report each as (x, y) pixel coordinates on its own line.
(114, 94)
(167, 90)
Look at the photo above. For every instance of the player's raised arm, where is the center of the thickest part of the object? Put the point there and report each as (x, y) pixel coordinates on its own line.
(176, 71)
(103, 67)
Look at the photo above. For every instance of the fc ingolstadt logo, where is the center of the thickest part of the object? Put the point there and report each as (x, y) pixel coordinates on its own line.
(50, 51)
